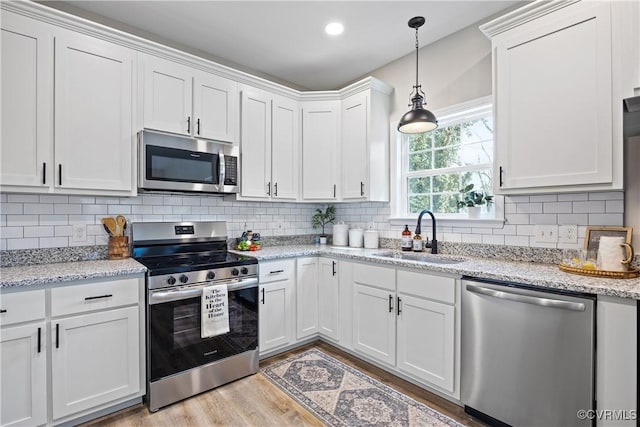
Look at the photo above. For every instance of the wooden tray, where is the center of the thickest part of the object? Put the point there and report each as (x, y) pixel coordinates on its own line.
(630, 274)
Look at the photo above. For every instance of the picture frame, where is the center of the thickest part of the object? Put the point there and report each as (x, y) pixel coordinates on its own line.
(593, 234)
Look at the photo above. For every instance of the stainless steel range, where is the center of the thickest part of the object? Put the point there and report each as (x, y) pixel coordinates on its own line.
(184, 258)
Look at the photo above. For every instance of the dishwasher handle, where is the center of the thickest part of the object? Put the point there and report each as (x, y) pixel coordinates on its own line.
(526, 299)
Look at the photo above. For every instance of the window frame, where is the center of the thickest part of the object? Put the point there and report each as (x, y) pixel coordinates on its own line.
(449, 116)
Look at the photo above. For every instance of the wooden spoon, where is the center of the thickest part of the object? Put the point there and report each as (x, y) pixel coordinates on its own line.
(121, 222)
(110, 223)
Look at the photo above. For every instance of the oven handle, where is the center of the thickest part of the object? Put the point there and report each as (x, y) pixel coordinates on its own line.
(157, 297)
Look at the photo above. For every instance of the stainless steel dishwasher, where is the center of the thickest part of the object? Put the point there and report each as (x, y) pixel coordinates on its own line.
(527, 355)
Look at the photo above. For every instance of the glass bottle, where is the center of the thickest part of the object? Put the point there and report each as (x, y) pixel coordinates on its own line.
(406, 239)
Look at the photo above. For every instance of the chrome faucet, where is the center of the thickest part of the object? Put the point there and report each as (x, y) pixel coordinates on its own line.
(434, 243)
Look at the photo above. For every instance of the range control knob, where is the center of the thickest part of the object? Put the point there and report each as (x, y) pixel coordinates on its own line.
(244, 270)
(235, 272)
(211, 275)
(171, 280)
(184, 279)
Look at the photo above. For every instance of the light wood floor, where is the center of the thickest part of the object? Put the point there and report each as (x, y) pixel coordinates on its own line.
(254, 401)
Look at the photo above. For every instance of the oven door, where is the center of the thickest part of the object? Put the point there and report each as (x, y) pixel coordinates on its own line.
(175, 344)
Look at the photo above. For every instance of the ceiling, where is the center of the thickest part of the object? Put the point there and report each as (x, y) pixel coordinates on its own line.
(286, 39)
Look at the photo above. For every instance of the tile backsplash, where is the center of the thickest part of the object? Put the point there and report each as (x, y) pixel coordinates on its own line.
(46, 221)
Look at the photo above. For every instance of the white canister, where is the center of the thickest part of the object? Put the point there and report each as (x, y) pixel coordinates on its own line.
(341, 234)
(614, 254)
(371, 239)
(356, 237)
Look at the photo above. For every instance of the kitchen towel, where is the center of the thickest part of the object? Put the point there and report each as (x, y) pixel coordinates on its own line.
(215, 311)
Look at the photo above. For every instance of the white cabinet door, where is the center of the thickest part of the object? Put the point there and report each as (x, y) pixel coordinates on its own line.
(328, 298)
(255, 137)
(374, 323)
(353, 147)
(553, 79)
(426, 340)
(285, 148)
(167, 95)
(93, 114)
(320, 124)
(23, 375)
(276, 315)
(306, 297)
(95, 359)
(214, 107)
(26, 55)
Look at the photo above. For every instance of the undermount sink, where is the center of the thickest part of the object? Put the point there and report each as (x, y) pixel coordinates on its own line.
(419, 257)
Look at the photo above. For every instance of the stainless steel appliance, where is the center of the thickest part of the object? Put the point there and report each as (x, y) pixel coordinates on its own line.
(177, 163)
(182, 258)
(527, 355)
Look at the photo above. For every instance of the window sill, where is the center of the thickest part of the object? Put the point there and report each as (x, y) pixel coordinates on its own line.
(451, 221)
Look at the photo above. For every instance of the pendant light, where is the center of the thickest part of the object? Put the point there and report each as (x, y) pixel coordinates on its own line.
(417, 120)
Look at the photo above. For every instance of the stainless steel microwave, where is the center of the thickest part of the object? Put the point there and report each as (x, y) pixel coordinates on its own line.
(169, 162)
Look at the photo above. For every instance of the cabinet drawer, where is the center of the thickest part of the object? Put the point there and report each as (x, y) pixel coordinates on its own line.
(437, 288)
(272, 271)
(94, 296)
(380, 277)
(22, 307)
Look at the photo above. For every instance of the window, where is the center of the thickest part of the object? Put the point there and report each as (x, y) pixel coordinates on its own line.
(436, 165)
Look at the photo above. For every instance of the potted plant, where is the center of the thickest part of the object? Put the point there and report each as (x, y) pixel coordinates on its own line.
(320, 219)
(473, 200)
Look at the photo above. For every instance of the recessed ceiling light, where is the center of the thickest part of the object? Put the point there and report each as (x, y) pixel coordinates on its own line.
(334, 28)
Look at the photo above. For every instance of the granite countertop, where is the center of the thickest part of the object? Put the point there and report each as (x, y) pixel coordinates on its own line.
(543, 275)
(42, 274)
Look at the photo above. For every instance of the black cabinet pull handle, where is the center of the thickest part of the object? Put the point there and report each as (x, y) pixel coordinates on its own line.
(334, 268)
(188, 124)
(275, 189)
(399, 310)
(198, 126)
(262, 296)
(98, 297)
(3, 311)
(44, 173)
(276, 271)
(334, 190)
(361, 188)
(269, 188)
(57, 335)
(39, 338)
(501, 171)
(390, 303)
(60, 174)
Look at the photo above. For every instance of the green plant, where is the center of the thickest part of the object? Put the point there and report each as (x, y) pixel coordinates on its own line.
(472, 198)
(321, 219)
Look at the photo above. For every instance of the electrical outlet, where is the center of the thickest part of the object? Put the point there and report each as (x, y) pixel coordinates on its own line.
(79, 232)
(546, 233)
(568, 234)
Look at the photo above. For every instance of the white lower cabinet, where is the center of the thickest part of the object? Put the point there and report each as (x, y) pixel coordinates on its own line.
(306, 297)
(277, 305)
(328, 299)
(93, 334)
(95, 359)
(407, 321)
(23, 375)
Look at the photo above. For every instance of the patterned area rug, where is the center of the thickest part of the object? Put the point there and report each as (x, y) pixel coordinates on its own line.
(340, 395)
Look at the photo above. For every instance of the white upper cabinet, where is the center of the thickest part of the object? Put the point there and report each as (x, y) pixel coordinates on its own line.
(364, 145)
(320, 133)
(26, 52)
(558, 90)
(187, 101)
(269, 135)
(67, 122)
(167, 96)
(93, 113)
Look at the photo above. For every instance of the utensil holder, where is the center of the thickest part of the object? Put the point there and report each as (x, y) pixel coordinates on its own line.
(118, 247)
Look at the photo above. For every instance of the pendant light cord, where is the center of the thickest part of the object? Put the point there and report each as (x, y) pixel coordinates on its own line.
(417, 59)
